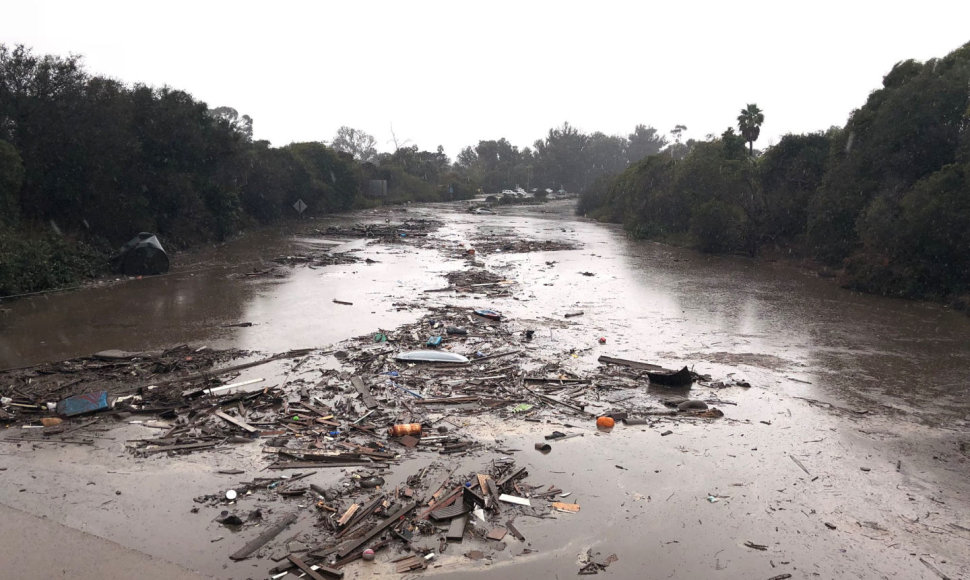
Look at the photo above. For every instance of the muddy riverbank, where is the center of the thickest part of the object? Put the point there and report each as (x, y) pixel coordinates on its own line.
(845, 458)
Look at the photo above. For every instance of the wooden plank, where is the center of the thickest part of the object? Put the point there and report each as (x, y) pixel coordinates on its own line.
(319, 464)
(365, 395)
(236, 421)
(446, 401)
(306, 569)
(408, 564)
(454, 510)
(182, 447)
(514, 531)
(456, 531)
(348, 514)
(366, 510)
(322, 412)
(565, 507)
(514, 475)
(315, 574)
(264, 537)
(629, 363)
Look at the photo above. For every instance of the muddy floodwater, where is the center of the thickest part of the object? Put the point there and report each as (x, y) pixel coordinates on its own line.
(847, 457)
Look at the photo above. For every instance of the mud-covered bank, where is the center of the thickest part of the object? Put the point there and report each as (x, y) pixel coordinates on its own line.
(844, 458)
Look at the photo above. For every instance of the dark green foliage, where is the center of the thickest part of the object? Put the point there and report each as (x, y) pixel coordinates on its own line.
(11, 179)
(718, 226)
(791, 173)
(918, 247)
(31, 261)
(887, 197)
(103, 161)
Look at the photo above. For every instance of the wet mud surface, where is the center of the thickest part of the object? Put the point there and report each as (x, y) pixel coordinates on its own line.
(841, 453)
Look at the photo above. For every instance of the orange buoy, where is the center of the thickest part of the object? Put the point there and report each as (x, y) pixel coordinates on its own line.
(605, 422)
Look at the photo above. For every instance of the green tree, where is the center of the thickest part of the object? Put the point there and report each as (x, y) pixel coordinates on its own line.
(749, 124)
(790, 173)
(561, 159)
(643, 141)
(357, 143)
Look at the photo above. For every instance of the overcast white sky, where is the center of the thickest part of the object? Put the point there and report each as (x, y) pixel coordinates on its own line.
(455, 72)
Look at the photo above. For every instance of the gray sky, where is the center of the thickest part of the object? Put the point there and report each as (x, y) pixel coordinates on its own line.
(455, 72)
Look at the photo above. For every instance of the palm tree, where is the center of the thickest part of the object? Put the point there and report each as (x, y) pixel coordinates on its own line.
(749, 123)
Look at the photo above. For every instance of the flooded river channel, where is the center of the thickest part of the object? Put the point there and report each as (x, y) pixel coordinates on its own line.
(846, 458)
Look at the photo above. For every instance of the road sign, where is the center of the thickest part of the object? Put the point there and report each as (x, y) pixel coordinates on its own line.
(300, 206)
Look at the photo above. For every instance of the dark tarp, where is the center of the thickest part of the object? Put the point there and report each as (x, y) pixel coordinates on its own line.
(142, 255)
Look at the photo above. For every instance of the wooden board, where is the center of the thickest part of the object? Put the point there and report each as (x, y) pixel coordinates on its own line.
(365, 395)
(264, 537)
(236, 421)
(457, 529)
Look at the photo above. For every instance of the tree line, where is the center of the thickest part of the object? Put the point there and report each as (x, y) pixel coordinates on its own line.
(87, 161)
(884, 200)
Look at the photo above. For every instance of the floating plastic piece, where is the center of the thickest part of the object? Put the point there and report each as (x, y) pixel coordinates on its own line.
(81, 404)
(431, 356)
(490, 314)
(434, 341)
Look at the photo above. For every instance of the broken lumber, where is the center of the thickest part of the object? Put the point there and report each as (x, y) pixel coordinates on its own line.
(392, 519)
(365, 395)
(264, 537)
(236, 421)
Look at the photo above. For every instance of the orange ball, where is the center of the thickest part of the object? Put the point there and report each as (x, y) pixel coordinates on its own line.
(605, 422)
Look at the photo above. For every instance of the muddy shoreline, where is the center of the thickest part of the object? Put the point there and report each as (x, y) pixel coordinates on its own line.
(808, 473)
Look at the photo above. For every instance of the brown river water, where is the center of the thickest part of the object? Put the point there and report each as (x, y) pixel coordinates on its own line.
(889, 461)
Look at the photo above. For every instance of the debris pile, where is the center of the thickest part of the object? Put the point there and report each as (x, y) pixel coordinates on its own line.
(318, 259)
(492, 245)
(353, 416)
(384, 232)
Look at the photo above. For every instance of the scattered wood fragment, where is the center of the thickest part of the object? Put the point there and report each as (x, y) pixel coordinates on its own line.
(236, 421)
(364, 391)
(314, 574)
(565, 507)
(392, 519)
(754, 546)
(264, 537)
(934, 569)
(799, 463)
(456, 531)
(446, 401)
(514, 531)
